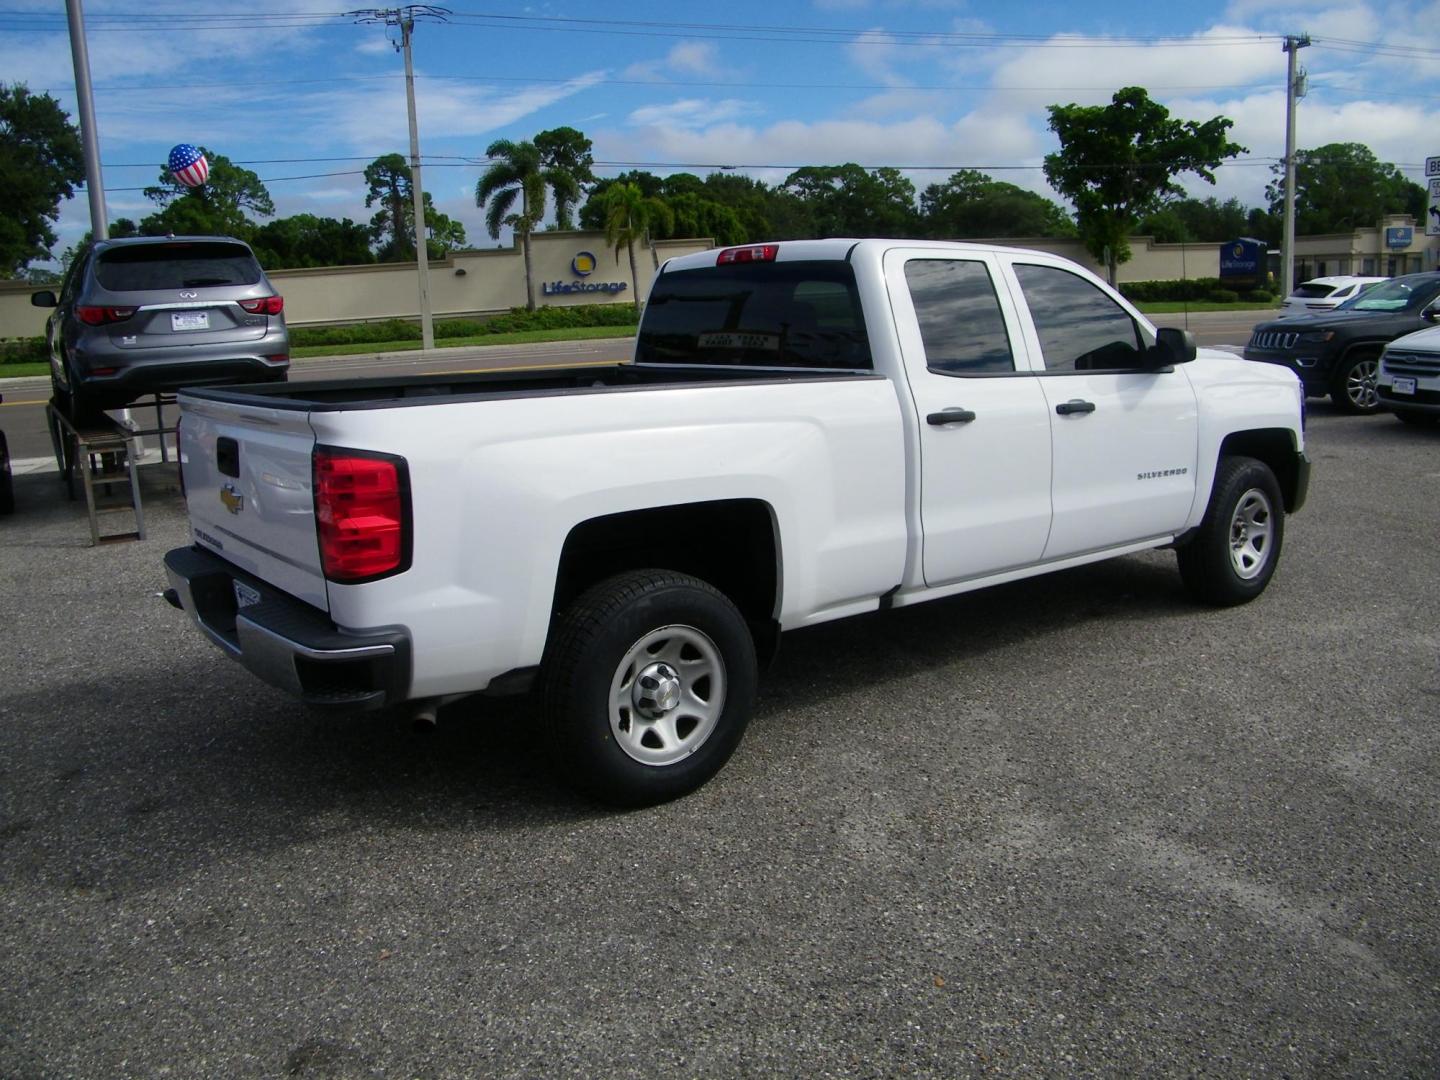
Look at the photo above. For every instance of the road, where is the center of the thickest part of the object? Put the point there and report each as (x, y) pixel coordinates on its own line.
(1067, 827)
(22, 414)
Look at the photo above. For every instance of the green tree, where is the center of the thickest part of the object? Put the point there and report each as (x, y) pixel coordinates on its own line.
(592, 214)
(565, 156)
(308, 240)
(629, 216)
(971, 205)
(515, 172)
(850, 200)
(392, 229)
(1117, 162)
(219, 207)
(1190, 221)
(1343, 186)
(41, 162)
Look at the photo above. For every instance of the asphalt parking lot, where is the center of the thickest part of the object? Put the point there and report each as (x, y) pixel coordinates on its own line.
(1072, 826)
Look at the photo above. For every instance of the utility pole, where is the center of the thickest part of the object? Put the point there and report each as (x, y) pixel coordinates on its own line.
(89, 136)
(1294, 90)
(404, 18)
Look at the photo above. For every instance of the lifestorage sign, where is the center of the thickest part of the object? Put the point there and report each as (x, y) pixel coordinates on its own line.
(582, 266)
(1243, 258)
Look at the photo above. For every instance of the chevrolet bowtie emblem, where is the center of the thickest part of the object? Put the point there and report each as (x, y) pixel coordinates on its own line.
(233, 500)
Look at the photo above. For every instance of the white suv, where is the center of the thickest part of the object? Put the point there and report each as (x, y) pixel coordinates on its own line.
(1325, 294)
(1408, 381)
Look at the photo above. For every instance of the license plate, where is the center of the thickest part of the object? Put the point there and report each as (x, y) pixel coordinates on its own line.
(1401, 385)
(245, 596)
(190, 320)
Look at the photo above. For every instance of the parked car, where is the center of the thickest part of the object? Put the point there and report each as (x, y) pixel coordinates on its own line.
(149, 314)
(7, 487)
(1325, 294)
(811, 429)
(1338, 352)
(1409, 379)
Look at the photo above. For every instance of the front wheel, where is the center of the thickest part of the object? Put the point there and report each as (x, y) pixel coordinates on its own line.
(1233, 553)
(1354, 387)
(648, 687)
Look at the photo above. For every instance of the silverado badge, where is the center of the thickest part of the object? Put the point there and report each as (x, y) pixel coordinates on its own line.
(233, 500)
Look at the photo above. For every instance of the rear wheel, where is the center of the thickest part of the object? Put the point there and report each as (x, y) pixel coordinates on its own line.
(1234, 552)
(1354, 387)
(648, 687)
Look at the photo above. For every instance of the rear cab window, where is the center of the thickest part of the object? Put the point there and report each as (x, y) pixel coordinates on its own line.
(803, 314)
(182, 265)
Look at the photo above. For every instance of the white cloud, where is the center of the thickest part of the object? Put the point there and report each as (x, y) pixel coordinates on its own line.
(692, 113)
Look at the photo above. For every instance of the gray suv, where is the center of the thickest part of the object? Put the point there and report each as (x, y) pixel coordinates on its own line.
(151, 314)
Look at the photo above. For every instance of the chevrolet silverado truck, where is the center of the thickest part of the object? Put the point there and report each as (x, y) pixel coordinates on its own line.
(808, 430)
(1338, 352)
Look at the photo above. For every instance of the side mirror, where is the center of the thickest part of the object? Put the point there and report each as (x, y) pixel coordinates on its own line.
(1178, 344)
(1431, 313)
(44, 298)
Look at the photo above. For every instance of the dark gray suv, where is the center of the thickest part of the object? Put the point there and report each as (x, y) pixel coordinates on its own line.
(151, 314)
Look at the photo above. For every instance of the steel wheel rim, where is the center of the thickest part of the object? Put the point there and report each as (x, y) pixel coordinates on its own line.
(667, 695)
(1252, 529)
(1360, 384)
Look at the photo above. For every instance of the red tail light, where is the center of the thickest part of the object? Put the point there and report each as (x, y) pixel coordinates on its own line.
(98, 316)
(753, 253)
(362, 514)
(266, 305)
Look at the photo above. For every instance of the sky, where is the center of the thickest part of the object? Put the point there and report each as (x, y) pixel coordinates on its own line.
(306, 97)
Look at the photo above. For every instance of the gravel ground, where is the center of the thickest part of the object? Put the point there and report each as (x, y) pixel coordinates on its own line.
(1072, 826)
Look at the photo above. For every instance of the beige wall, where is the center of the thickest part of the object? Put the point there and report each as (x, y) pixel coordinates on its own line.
(466, 283)
(470, 283)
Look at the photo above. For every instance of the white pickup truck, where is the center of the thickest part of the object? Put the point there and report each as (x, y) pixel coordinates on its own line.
(809, 430)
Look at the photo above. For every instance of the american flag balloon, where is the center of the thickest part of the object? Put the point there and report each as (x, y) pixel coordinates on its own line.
(188, 165)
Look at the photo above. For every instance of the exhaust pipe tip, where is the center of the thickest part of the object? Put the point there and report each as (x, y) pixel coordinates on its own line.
(425, 717)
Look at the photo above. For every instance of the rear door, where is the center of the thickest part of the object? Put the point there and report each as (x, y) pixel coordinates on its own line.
(248, 490)
(983, 427)
(1124, 439)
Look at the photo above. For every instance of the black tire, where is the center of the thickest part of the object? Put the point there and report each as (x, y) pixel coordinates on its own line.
(1234, 552)
(1416, 418)
(7, 484)
(1353, 389)
(694, 648)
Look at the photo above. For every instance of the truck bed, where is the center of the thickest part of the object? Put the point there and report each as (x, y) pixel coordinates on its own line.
(331, 395)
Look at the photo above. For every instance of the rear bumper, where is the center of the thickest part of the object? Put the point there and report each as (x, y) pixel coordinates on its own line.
(289, 644)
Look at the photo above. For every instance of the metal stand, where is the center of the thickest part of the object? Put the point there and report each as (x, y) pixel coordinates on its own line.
(100, 450)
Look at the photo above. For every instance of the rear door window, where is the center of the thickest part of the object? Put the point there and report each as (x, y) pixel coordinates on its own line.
(175, 266)
(791, 314)
(960, 319)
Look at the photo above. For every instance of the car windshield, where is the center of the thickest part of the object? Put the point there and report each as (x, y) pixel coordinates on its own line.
(1396, 295)
(181, 265)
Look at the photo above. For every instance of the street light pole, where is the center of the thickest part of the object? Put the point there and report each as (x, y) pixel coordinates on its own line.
(89, 136)
(1293, 44)
(404, 18)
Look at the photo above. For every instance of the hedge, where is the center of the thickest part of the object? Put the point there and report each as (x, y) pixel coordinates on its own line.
(543, 318)
(1190, 289)
(26, 350)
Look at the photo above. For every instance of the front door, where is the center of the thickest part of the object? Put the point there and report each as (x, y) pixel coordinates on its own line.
(1124, 437)
(984, 429)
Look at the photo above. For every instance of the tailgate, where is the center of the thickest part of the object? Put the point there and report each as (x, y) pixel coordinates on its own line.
(248, 491)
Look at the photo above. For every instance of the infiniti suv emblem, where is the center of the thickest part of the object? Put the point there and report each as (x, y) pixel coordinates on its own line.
(188, 295)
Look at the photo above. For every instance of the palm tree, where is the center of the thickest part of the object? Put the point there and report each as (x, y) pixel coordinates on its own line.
(629, 216)
(515, 171)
